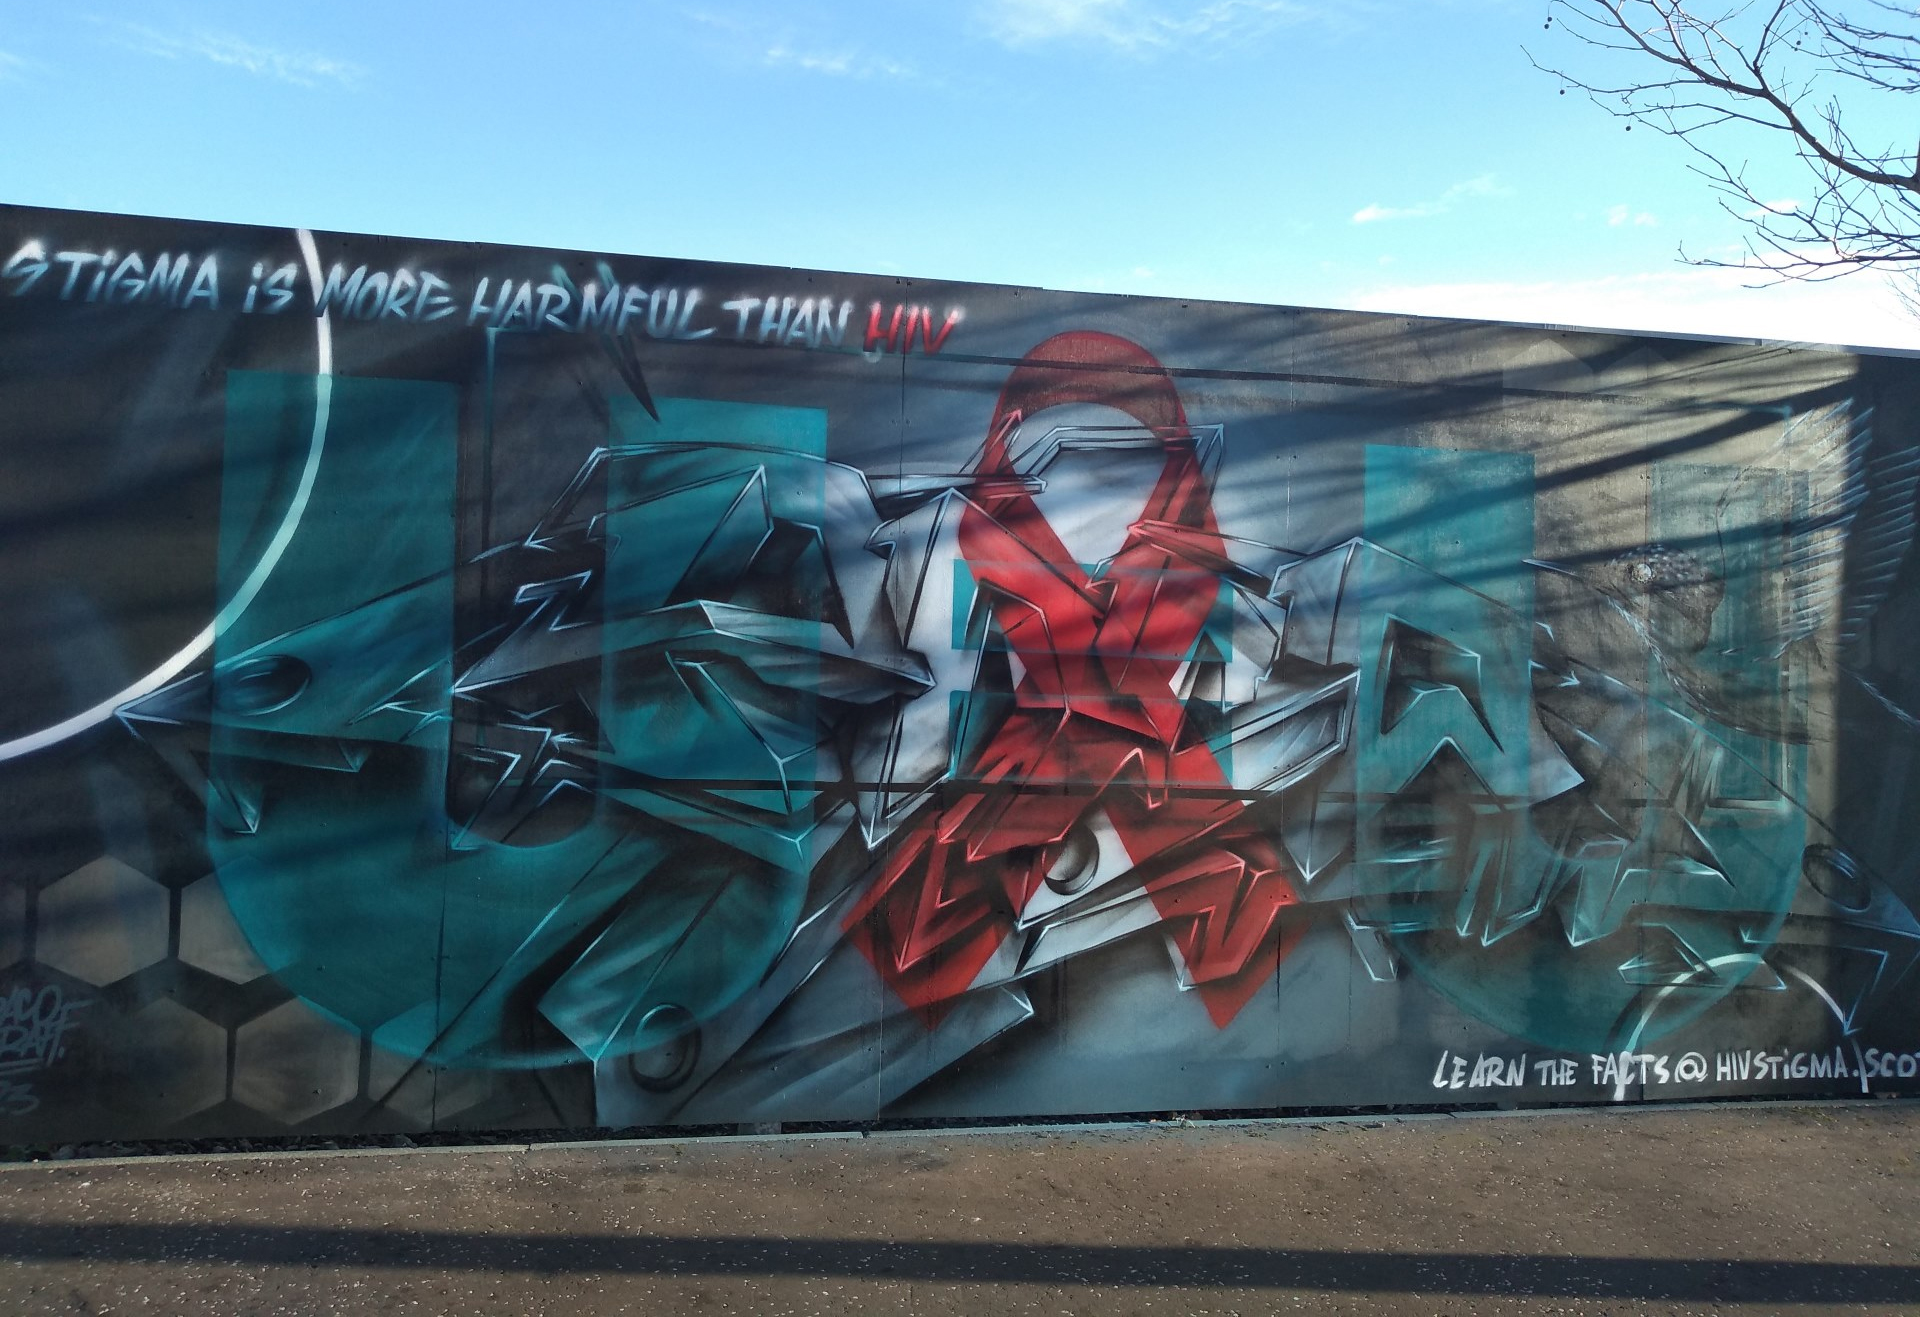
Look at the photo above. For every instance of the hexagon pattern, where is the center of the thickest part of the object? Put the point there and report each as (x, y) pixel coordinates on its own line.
(209, 937)
(169, 1063)
(426, 1095)
(294, 1063)
(102, 922)
(13, 926)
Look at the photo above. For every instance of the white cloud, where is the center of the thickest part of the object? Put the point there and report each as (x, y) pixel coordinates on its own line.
(1483, 186)
(836, 63)
(1372, 214)
(1134, 26)
(1862, 310)
(749, 40)
(301, 68)
(11, 66)
(725, 22)
(1619, 215)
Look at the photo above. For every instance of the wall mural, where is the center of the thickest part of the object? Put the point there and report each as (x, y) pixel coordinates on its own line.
(471, 686)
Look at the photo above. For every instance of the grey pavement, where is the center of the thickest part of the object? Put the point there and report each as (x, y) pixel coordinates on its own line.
(1744, 1208)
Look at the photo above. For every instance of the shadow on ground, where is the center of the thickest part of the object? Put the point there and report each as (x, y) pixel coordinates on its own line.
(719, 1256)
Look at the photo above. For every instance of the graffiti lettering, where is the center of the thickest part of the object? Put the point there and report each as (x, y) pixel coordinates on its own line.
(1487, 1071)
(33, 1028)
(1740, 1067)
(379, 295)
(25, 268)
(17, 1098)
(419, 296)
(1889, 1065)
(34, 1024)
(1617, 1069)
(1556, 1072)
(903, 326)
(119, 279)
(278, 287)
(785, 322)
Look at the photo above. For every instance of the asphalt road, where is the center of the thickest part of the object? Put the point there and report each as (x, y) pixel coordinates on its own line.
(1731, 1209)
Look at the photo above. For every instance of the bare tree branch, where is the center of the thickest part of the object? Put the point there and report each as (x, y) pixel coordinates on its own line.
(1775, 68)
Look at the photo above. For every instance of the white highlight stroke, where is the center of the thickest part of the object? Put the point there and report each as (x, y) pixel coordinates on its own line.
(249, 588)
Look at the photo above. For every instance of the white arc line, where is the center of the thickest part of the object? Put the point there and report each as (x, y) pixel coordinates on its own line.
(249, 588)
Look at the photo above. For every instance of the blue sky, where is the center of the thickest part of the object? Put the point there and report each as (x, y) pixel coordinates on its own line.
(1391, 155)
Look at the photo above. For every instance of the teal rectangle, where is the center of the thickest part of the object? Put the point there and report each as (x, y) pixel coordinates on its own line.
(337, 534)
(374, 514)
(1464, 514)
